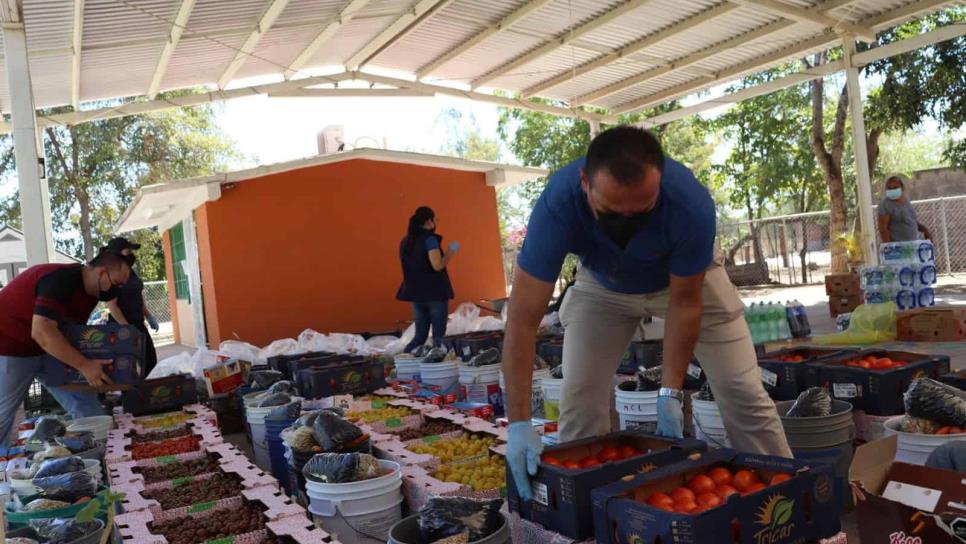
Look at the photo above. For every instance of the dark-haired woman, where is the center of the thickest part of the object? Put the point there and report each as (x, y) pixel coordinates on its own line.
(425, 281)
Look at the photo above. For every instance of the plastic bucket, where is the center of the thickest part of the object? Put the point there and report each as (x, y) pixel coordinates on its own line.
(359, 512)
(537, 408)
(480, 384)
(914, 448)
(276, 450)
(255, 418)
(636, 409)
(97, 425)
(444, 375)
(407, 368)
(551, 397)
(93, 467)
(826, 439)
(407, 532)
(708, 425)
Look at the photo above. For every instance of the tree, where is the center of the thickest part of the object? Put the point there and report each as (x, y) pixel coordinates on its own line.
(95, 169)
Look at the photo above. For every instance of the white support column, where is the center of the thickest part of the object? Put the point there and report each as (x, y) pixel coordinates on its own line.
(31, 173)
(194, 280)
(594, 128)
(862, 174)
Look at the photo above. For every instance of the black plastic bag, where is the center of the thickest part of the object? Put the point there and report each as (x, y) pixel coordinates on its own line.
(487, 357)
(263, 379)
(47, 428)
(287, 411)
(422, 350)
(334, 433)
(77, 442)
(61, 531)
(435, 355)
(67, 487)
(283, 386)
(64, 465)
(338, 468)
(273, 399)
(557, 372)
(813, 402)
(705, 393)
(928, 399)
(649, 379)
(443, 517)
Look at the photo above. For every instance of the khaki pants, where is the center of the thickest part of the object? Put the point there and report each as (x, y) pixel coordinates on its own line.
(600, 324)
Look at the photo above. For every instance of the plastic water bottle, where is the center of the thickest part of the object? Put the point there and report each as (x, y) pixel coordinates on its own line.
(927, 275)
(927, 297)
(906, 299)
(908, 275)
(802, 317)
(792, 319)
(926, 252)
(781, 316)
(774, 327)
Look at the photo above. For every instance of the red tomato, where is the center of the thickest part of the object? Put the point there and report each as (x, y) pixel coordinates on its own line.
(608, 454)
(682, 494)
(720, 475)
(665, 506)
(701, 484)
(588, 462)
(551, 460)
(755, 487)
(725, 491)
(744, 479)
(956, 430)
(659, 499)
(629, 451)
(709, 499)
(685, 507)
(944, 430)
(571, 465)
(865, 364)
(779, 478)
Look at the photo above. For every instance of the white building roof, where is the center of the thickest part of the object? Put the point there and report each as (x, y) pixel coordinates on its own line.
(14, 250)
(165, 204)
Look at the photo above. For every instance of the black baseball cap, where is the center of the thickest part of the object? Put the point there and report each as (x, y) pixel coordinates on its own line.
(118, 244)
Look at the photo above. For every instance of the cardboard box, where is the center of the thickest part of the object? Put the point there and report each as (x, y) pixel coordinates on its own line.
(844, 304)
(224, 378)
(800, 509)
(345, 378)
(785, 380)
(562, 500)
(876, 392)
(902, 503)
(931, 325)
(160, 395)
(843, 285)
(123, 344)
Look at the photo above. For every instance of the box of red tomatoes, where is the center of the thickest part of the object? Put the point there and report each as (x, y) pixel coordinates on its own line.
(873, 380)
(783, 371)
(568, 472)
(721, 497)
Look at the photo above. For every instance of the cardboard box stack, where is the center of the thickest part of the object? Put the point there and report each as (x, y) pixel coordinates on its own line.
(931, 325)
(906, 275)
(844, 293)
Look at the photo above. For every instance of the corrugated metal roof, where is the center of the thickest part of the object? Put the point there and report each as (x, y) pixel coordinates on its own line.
(123, 41)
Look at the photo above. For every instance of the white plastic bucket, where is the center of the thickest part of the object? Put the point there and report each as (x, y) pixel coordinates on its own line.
(97, 425)
(93, 467)
(444, 375)
(477, 383)
(636, 409)
(537, 408)
(255, 417)
(407, 368)
(914, 448)
(359, 512)
(708, 425)
(551, 397)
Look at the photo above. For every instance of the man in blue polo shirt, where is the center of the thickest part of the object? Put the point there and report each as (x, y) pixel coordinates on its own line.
(644, 229)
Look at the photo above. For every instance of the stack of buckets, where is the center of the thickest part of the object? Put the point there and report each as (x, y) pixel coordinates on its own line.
(636, 409)
(708, 424)
(445, 375)
(551, 397)
(407, 368)
(481, 384)
(359, 512)
(255, 420)
(537, 404)
(914, 448)
(276, 449)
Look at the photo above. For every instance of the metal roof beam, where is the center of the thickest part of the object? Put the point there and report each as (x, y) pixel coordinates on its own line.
(75, 55)
(422, 11)
(264, 24)
(699, 56)
(524, 11)
(351, 93)
(561, 41)
(802, 15)
(632, 48)
(174, 36)
(328, 31)
(826, 39)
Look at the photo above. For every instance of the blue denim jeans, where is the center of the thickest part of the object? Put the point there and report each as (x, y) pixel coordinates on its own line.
(16, 374)
(425, 314)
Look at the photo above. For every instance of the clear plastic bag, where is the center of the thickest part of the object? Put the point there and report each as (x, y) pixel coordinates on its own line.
(444, 517)
(813, 402)
(77, 442)
(285, 346)
(243, 351)
(51, 452)
(61, 531)
(273, 399)
(334, 433)
(283, 386)
(869, 324)
(338, 468)
(67, 487)
(263, 379)
(53, 467)
(489, 356)
(286, 411)
(47, 428)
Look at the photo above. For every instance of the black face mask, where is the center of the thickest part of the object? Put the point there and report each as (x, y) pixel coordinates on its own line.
(621, 228)
(110, 294)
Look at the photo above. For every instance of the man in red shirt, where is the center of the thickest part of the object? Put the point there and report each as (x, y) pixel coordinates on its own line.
(33, 307)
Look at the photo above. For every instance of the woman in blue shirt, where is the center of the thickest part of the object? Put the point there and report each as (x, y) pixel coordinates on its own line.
(425, 280)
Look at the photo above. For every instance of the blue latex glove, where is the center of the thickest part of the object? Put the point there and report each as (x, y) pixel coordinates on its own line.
(670, 417)
(454, 246)
(523, 455)
(153, 323)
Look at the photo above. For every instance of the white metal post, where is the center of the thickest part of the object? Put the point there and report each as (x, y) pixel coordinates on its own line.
(194, 280)
(942, 214)
(863, 177)
(31, 175)
(594, 128)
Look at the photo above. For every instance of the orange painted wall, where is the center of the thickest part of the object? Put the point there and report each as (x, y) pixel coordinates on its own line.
(169, 275)
(318, 247)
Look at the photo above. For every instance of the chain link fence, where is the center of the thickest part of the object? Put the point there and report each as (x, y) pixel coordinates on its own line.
(796, 249)
(156, 299)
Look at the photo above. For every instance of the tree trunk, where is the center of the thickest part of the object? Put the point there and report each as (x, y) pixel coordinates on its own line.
(803, 254)
(755, 228)
(831, 162)
(872, 143)
(84, 202)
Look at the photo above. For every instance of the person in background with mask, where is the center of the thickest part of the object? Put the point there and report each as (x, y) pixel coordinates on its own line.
(425, 280)
(644, 229)
(897, 217)
(33, 307)
(129, 307)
